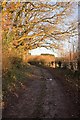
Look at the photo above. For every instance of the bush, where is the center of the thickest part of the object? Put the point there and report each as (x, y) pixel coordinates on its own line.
(16, 61)
(32, 62)
(65, 65)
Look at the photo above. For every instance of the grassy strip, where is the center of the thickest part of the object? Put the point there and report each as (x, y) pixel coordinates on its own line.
(15, 80)
(70, 77)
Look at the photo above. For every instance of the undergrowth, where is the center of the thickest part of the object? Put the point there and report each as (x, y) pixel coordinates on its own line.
(13, 76)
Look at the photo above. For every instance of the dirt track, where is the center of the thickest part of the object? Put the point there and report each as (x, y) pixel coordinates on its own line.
(44, 97)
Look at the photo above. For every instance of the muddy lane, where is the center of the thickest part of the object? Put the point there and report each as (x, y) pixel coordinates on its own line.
(57, 104)
(44, 98)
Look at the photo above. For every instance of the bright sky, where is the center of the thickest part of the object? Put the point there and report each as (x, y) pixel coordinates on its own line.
(41, 50)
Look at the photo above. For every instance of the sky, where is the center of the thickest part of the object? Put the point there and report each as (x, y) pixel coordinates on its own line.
(42, 50)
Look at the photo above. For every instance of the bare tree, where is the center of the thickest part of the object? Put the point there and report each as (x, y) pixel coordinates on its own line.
(28, 25)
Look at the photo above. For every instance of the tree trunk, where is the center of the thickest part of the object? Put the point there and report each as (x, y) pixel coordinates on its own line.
(24, 55)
